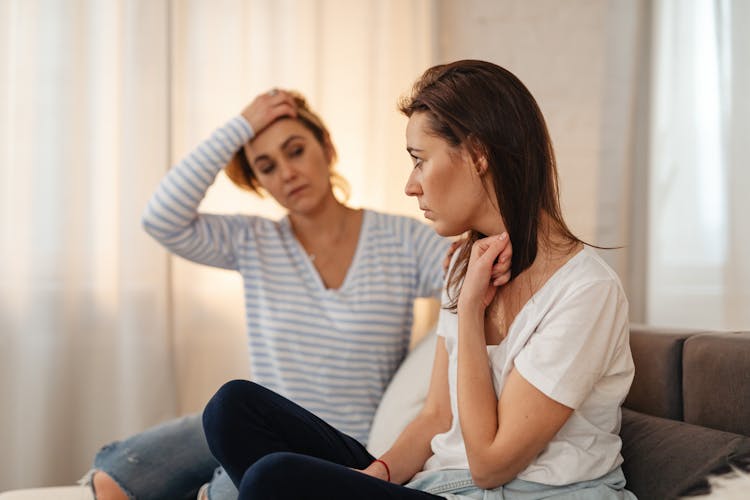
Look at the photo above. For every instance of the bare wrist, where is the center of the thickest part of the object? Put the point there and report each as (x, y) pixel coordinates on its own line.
(471, 310)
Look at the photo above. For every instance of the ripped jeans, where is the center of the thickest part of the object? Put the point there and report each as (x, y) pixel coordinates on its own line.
(168, 461)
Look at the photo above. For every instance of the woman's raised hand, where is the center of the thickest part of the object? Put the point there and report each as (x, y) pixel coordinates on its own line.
(267, 107)
(488, 269)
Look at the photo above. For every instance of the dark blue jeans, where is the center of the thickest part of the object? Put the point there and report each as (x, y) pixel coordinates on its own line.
(273, 448)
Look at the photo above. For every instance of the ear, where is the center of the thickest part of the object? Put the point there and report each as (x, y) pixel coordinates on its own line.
(477, 155)
(481, 165)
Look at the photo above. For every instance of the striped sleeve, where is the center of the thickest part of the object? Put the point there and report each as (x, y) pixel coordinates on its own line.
(429, 250)
(172, 215)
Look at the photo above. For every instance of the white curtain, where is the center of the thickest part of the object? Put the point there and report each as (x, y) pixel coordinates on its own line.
(84, 346)
(699, 239)
(101, 332)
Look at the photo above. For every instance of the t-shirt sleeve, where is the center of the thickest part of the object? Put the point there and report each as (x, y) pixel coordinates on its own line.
(576, 341)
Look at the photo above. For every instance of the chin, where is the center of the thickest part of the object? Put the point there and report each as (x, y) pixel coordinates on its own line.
(305, 205)
(447, 230)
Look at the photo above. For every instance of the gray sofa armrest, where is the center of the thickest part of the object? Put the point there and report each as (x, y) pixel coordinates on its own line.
(716, 381)
(657, 384)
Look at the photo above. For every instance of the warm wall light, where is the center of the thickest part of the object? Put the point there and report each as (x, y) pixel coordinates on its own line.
(352, 60)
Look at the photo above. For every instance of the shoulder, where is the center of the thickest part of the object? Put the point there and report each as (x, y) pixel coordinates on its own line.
(584, 291)
(585, 300)
(587, 272)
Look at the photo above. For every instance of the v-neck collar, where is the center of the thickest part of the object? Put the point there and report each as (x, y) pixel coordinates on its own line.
(307, 263)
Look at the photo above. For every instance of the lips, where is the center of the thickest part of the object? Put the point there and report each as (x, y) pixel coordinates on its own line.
(296, 191)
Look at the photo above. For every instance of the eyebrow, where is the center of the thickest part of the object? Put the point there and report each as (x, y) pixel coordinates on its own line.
(283, 145)
(411, 149)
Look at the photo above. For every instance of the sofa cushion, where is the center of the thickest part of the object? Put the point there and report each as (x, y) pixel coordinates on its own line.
(716, 381)
(657, 384)
(663, 457)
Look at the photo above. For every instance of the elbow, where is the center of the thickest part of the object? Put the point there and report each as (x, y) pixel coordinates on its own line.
(151, 225)
(147, 225)
(484, 479)
(147, 218)
(488, 474)
(488, 479)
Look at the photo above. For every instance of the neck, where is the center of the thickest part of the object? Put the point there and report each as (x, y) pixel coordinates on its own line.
(324, 222)
(553, 241)
(554, 248)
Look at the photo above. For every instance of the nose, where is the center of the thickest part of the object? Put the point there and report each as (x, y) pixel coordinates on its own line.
(286, 170)
(412, 187)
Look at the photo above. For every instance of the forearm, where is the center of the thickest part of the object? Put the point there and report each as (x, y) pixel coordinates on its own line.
(173, 207)
(171, 216)
(477, 402)
(501, 437)
(411, 450)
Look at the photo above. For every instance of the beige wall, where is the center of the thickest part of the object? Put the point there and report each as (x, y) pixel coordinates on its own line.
(579, 58)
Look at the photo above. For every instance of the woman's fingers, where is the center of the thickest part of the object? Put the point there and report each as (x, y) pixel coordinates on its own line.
(501, 280)
(279, 110)
(279, 98)
(483, 254)
(507, 252)
(501, 267)
(268, 107)
(278, 103)
(478, 288)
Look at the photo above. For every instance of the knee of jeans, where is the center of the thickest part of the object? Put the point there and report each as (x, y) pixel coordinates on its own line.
(223, 409)
(270, 476)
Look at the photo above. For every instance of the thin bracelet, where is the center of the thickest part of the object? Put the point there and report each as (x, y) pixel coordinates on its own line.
(387, 470)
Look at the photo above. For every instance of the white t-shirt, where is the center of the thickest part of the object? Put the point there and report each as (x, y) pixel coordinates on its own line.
(571, 342)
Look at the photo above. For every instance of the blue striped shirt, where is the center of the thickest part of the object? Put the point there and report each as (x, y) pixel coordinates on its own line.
(333, 351)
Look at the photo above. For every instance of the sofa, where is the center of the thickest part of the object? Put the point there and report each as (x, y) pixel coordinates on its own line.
(687, 414)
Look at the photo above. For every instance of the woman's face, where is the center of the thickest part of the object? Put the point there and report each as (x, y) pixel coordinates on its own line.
(291, 165)
(447, 183)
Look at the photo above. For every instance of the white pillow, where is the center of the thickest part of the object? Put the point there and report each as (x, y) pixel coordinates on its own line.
(404, 396)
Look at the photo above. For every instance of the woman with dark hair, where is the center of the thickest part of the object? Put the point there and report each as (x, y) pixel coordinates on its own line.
(528, 377)
(329, 289)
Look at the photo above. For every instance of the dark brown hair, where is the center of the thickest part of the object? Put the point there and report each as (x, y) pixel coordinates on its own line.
(488, 110)
(239, 171)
